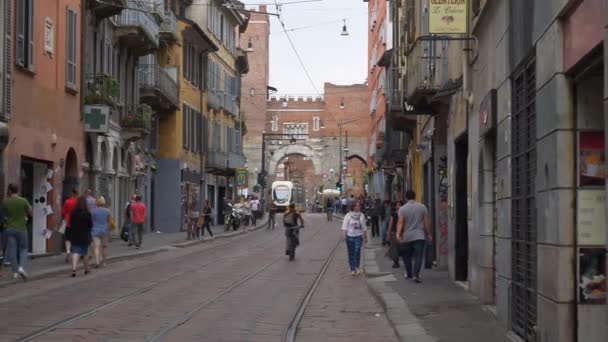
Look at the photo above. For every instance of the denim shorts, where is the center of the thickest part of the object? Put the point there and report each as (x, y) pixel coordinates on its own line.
(81, 250)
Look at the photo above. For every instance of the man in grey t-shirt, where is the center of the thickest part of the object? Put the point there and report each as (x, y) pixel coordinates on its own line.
(411, 228)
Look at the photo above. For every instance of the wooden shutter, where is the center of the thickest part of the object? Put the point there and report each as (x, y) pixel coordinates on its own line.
(20, 34)
(184, 126)
(30, 32)
(8, 17)
(186, 65)
(71, 28)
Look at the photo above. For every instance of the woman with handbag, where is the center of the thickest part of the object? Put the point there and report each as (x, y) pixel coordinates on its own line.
(102, 224)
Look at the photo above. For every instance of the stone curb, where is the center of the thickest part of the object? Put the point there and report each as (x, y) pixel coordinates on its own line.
(407, 327)
(134, 255)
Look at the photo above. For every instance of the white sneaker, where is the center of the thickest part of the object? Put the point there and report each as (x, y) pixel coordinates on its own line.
(22, 273)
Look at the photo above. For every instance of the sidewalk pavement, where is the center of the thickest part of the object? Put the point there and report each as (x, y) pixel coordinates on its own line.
(153, 242)
(436, 310)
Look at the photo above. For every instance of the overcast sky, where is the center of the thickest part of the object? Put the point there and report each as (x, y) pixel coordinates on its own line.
(328, 56)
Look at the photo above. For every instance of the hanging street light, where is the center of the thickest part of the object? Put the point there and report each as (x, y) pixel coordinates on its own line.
(250, 45)
(342, 104)
(344, 29)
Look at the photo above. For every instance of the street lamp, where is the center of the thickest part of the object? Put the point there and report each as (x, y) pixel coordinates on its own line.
(340, 124)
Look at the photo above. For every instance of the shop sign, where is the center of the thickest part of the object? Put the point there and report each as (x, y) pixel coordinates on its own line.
(591, 159)
(241, 177)
(591, 217)
(592, 276)
(448, 16)
(487, 113)
(96, 119)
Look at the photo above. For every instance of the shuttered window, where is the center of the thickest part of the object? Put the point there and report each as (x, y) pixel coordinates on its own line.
(185, 117)
(8, 54)
(24, 54)
(71, 30)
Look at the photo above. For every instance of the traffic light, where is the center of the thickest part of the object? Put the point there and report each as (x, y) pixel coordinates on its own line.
(339, 186)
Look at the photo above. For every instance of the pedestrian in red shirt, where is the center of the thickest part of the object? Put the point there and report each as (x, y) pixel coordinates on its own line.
(138, 217)
(66, 213)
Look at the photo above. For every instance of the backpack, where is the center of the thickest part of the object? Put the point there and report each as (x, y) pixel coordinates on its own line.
(290, 220)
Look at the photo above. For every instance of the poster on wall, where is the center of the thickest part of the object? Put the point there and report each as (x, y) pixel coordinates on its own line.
(591, 159)
(591, 217)
(448, 16)
(592, 276)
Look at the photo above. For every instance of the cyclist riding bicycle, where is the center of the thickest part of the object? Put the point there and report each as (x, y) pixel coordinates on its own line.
(290, 222)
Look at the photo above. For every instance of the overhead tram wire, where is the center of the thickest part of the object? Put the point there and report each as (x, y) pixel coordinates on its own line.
(294, 48)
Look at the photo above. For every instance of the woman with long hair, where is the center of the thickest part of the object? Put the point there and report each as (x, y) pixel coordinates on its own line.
(101, 217)
(80, 236)
(354, 231)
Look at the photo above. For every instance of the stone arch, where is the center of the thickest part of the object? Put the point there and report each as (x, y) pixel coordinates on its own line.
(358, 157)
(71, 164)
(115, 162)
(285, 150)
(104, 156)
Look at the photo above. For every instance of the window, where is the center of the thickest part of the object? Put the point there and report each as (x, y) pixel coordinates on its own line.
(185, 118)
(237, 141)
(299, 130)
(192, 129)
(275, 124)
(24, 56)
(71, 39)
(315, 123)
(186, 60)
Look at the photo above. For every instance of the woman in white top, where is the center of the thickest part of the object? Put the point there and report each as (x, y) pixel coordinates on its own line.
(354, 231)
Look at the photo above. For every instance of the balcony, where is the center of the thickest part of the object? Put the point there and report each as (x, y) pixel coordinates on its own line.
(217, 162)
(230, 105)
(396, 148)
(426, 74)
(168, 26)
(135, 126)
(214, 99)
(158, 87)
(106, 8)
(136, 29)
(101, 89)
(399, 114)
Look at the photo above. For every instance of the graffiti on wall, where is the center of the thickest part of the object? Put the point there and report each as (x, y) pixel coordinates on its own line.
(443, 206)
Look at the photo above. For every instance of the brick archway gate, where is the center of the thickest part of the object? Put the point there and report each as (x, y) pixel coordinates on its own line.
(294, 149)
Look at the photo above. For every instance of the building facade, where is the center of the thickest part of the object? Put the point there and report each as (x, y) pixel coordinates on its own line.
(508, 152)
(46, 148)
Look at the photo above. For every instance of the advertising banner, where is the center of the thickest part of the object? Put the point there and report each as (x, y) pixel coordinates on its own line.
(448, 16)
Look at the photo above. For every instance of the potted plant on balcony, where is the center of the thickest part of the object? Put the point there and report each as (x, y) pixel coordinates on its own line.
(103, 89)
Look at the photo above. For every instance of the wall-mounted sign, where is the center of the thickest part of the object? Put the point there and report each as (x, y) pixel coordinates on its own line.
(487, 113)
(591, 217)
(592, 276)
(448, 16)
(591, 161)
(241, 177)
(96, 119)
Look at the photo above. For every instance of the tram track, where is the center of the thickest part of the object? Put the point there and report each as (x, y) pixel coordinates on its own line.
(87, 313)
(252, 250)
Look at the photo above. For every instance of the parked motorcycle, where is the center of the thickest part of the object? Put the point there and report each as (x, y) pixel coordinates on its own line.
(232, 218)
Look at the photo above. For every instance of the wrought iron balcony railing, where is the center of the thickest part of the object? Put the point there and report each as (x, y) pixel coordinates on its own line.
(101, 89)
(158, 87)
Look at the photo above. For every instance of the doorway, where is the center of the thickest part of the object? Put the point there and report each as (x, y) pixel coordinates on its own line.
(34, 188)
(461, 205)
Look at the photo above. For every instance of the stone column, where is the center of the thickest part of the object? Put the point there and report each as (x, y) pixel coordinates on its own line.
(555, 191)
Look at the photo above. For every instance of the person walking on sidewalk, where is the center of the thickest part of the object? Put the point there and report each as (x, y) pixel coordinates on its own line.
(412, 225)
(128, 222)
(138, 217)
(82, 223)
(394, 250)
(101, 217)
(206, 216)
(272, 212)
(354, 231)
(66, 213)
(387, 208)
(255, 207)
(376, 211)
(91, 201)
(16, 209)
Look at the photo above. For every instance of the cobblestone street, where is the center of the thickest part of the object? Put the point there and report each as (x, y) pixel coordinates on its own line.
(238, 289)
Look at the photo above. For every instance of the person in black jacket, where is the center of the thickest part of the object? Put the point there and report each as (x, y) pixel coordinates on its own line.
(80, 224)
(376, 212)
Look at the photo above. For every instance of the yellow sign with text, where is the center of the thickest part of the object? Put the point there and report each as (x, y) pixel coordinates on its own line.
(448, 16)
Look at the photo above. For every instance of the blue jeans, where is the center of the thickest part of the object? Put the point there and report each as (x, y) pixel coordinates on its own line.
(17, 246)
(412, 250)
(353, 244)
(384, 229)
